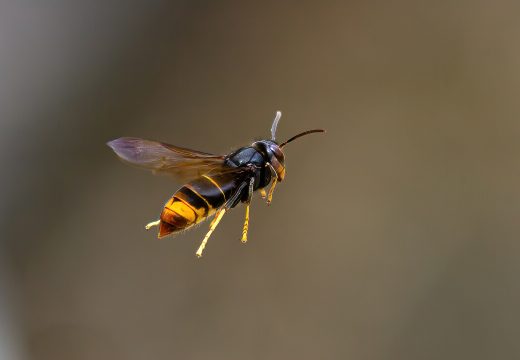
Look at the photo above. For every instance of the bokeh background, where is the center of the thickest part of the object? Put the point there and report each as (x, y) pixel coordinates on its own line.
(394, 236)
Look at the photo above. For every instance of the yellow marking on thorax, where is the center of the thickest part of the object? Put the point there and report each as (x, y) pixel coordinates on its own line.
(215, 183)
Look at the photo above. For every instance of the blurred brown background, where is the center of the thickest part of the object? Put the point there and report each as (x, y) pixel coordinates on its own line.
(394, 236)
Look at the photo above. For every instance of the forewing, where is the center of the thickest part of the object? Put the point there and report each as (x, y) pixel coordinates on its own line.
(168, 159)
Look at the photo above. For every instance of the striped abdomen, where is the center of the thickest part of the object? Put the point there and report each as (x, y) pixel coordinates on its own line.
(195, 201)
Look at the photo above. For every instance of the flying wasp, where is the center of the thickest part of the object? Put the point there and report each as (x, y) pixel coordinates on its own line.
(215, 183)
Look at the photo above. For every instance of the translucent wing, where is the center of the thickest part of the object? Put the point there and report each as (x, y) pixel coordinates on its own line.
(168, 159)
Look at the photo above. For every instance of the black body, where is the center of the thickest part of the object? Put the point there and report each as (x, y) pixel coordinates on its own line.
(255, 157)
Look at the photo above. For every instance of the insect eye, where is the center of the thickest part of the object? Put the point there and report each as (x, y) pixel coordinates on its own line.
(278, 153)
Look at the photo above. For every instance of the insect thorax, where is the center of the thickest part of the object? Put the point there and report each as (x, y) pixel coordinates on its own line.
(248, 156)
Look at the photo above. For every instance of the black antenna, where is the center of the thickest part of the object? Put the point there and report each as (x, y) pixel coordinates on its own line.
(302, 134)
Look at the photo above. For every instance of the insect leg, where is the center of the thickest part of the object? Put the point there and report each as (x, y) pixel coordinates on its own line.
(273, 184)
(212, 227)
(271, 191)
(218, 216)
(153, 223)
(246, 221)
(263, 194)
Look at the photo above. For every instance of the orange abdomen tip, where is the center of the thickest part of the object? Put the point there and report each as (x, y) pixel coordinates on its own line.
(166, 229)
(176, 216)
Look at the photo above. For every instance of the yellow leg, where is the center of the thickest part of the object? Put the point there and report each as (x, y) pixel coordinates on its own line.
(274, 176)
(153, 223)
(246, 226)
(212, 227)
(263, 194)
(271, 190)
